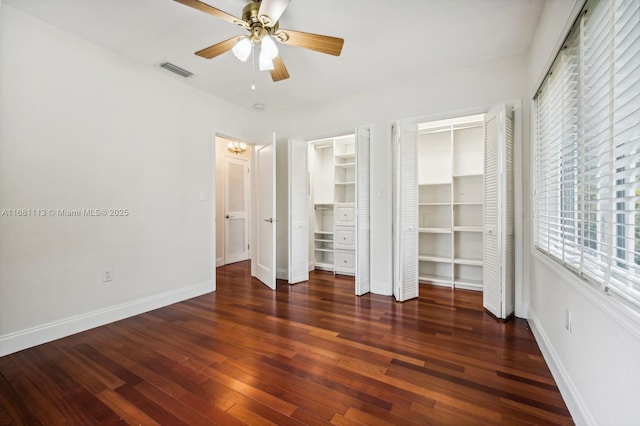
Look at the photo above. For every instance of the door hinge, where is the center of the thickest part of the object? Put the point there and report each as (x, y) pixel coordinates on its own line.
(248, 246)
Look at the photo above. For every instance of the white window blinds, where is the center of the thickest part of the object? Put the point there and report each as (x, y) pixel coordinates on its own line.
(587, 153)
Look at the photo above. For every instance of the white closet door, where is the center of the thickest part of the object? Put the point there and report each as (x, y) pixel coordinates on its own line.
(363, 220)
(298, 213)
(509, 248)
(405, 230)
(498, 270)
(263, 261)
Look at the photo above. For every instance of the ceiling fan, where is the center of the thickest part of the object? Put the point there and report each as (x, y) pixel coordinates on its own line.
(260, 18)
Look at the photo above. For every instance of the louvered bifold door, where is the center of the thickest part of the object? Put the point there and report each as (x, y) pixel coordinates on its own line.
(363, 222)
(492, 285)
(508, 242)
(405, 172)
(298, 212)
(498, 241)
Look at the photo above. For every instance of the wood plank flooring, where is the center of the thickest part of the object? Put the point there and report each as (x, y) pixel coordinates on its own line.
(312, 353)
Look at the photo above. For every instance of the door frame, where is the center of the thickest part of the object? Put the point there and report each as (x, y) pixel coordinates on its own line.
(213, 194)
(360, 288)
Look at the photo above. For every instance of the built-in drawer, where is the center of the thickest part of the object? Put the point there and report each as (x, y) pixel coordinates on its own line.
(345, 261)
(345, 237)
(345, 214)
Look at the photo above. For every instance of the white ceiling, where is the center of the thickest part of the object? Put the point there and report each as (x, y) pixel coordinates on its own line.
(386, 42)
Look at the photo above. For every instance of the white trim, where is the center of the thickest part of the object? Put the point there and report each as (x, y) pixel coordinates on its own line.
(213, 211)
(576, 405)
(219, 262)
(282, 274)
(23, 339)
(521, 284)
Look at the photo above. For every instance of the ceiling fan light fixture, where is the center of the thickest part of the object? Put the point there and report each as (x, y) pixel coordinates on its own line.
(268, 47)
(242, 49)
(266, 63)
(270, 11)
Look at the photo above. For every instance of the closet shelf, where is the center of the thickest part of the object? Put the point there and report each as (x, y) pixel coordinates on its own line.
(461, 282)
(323, 240)
(435, 230)
(443, 279)
(345, 183)
(323, 232)
(345, 164)
(434, 183)
(346, 155)
(431, 258)
(467, 261)
(463, 175)
(468, 228)
(324, 250)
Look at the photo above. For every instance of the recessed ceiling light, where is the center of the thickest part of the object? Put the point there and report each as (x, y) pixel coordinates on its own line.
(259, 106)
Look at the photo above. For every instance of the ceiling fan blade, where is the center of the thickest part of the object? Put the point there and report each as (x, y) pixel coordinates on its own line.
(280, 71)
(317, 42)
(271, 11)
(218, 48)
(203, 7)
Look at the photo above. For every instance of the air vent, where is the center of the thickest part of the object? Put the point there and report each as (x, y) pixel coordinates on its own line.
(176, 69)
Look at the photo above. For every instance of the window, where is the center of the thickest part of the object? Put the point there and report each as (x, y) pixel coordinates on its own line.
(587, 150)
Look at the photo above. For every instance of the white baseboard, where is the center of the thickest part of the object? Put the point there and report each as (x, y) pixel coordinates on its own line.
(282, 274)
(576, 405)
(17, 341)
(219, 262)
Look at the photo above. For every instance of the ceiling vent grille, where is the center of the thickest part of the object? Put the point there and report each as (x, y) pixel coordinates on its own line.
(176, 69)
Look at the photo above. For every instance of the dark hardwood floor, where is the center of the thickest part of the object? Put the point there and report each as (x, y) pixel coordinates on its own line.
(312, 353)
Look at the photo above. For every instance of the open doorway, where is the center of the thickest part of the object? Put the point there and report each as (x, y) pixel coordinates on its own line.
(329, 216)
(233, 201)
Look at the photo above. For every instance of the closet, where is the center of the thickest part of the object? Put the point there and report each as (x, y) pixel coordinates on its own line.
(450, 202)
(333, 193)
(329, 218)
(453, 207)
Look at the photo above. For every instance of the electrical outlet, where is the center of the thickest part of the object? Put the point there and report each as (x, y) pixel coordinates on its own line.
(107, 274)
(567, 320)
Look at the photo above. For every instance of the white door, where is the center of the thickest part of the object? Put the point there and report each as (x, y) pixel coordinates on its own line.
(363, 219)
(498, 270)
(298, 212)
(236, 201)
(263, 265)
(405, 212)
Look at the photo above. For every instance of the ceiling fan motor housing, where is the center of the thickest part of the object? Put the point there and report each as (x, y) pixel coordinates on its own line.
(257, 28)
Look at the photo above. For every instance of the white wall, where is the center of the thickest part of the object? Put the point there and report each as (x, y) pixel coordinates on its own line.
(596, 364)
(462, 91)
(81, 128)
